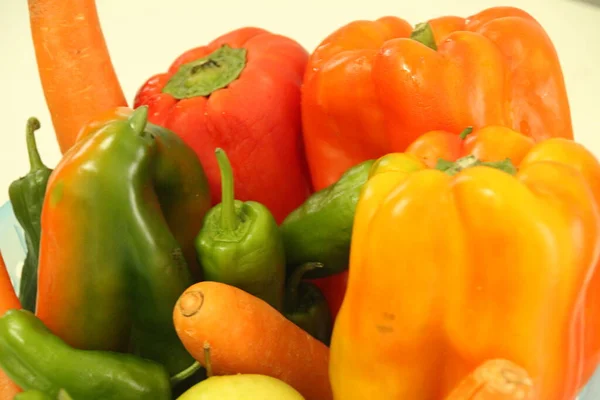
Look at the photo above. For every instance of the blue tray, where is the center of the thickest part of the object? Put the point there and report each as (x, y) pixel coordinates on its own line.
(12, 245)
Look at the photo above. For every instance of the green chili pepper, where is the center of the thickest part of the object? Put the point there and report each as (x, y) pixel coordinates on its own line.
(36, 359)
(27, 197)
(239, 244)
(306, 306)
(320, 229)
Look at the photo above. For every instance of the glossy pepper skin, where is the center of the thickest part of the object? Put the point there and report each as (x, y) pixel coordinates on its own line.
(27, 197)
(240, 93)
(39, 395)
(240, 244)
(370, 87)
(321, 228)
(306, 306)
(111, 267)
(451, 269)
(39, 360)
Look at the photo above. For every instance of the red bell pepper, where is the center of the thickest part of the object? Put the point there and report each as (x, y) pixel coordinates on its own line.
(240, 93)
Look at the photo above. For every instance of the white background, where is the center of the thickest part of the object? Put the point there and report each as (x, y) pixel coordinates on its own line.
(144, 37)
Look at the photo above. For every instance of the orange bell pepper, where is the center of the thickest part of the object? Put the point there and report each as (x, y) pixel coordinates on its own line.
(8, 300)
(372, 87)
(470, 250)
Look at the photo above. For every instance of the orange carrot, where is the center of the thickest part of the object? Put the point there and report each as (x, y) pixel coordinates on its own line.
(74, 65)
(248, 336)
(495, 380)
(8, 300)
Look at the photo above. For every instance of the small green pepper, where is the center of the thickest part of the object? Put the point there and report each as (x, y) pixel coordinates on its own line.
(320, 229)
(27, 197)
(36, 359)
(306, 306)
(240, 244)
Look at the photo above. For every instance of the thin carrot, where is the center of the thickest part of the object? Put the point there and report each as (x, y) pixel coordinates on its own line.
(74, 65)
(495, 380)
(8, 300)
(248, 336)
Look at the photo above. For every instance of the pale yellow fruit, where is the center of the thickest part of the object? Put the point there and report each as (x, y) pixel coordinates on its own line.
(241, 387)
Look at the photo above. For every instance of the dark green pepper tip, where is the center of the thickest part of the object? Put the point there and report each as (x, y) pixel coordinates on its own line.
(229, 221)
(294, 281)
(185, 374)
(139, 119)
(306, 305)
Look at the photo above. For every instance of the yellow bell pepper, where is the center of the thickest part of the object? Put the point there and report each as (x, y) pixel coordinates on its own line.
(466, 250)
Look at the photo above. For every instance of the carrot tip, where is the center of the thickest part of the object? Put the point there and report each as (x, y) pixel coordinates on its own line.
(190, 303)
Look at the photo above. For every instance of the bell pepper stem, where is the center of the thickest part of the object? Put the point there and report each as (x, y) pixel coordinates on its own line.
(207, 362)
(139, 119)
(186, 373)
(295, 280)
(452, 168)
(35, 161)
(229, 220)
(424, 34)
(463, 135)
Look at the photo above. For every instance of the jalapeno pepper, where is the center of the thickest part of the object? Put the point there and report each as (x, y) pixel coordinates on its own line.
(36, 359)
(27, 197)
(240, 244)
(306, 306)
(320, 229)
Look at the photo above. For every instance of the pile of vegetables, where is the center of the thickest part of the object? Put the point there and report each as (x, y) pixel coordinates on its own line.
(401, 214)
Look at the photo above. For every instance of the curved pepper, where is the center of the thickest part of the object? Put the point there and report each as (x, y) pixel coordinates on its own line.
(240, 93)
(111, 267)
(239, 244)
(472, 263)
(27, 197)
(40, 361)
(306, 306)
(373, 87)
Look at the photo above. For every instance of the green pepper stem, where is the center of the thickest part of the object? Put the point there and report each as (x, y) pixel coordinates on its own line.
(453, 168)
(463, 135)
(139, 119)
(229, 220)
(295, 280)
(424, 34)
(35, 161)
(207, 362)
(186, 373)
